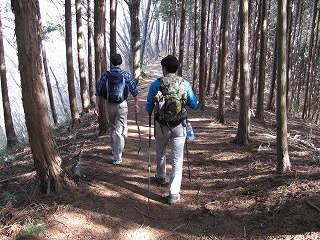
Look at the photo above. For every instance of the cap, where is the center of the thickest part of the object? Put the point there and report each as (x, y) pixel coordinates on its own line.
(116, 59)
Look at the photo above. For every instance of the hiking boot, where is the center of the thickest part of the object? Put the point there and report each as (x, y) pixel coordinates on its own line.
(173, 198)
(116, 162)
(160, 180)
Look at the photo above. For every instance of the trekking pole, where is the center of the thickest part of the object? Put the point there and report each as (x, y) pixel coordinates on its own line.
(140, 141)
(188, 161)
(149, 160)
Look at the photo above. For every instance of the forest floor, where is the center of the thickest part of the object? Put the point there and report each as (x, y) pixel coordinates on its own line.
(234, 192)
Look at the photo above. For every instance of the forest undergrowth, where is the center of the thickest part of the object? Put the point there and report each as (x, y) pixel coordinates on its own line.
(234, 191)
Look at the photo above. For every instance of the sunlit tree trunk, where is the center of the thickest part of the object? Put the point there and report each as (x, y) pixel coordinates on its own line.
(100, 55)
(242, 137)
(70, 70)
(46, 73)
(182, 36)
(145, 30)
(90, 58)
(44, 150)
(82, 73)
(196, 45)
(283, 161)
(134, 8)
(10, 133)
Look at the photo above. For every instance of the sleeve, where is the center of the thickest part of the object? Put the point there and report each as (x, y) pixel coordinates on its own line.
(133, 89)
(192, 99)
(101, 82)
(153, 90)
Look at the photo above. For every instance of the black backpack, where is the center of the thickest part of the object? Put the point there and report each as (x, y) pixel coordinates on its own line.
(115, 89)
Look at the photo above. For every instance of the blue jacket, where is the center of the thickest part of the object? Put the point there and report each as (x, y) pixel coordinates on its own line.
(153, 90)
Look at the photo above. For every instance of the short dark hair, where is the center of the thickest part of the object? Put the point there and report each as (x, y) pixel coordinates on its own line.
(116, 59)
(171, 63)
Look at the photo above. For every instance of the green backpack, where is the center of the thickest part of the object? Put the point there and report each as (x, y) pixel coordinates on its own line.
(171, 99)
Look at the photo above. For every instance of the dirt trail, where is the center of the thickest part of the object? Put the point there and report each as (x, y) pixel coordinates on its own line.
(234, 192)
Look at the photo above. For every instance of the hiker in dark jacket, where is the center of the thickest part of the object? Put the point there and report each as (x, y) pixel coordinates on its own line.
(117, 111)
(173, 133)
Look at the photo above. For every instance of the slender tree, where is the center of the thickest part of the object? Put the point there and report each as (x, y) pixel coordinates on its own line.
(306, 105)
(46, 157)
(100, 55)
(196, 45)
(224, 56)
(145, 22)
(134, 7)
(113, 26)
(11, 134)
(182, 36)
(242, 137)
(82, 74)
(202, 75)
(283, 161)
(46, 73)
(90, 62)
(70, 70)
(262, 62)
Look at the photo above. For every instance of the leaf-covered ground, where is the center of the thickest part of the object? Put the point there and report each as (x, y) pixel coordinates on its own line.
(234, 192)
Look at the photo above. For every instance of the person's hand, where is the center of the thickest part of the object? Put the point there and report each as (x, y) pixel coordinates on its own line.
(136, 108)
(96, 110)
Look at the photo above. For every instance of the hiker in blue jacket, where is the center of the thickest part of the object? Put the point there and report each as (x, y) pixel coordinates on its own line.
(117, 110)
(173, 133)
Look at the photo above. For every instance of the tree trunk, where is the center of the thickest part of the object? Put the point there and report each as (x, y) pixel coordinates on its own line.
(212, 51)
(113, 26)
(100, 55)
(46, 73)
(234, 86)
(70, 69)
(12, 139)
(224, 60)
(306, 106)
(44, 150)
(283, 161)
(134, 8)
(82, 73)
(202, 75)
(262, 62)
(196, 45)
(145, 30)
(242, 137)
(90, 60)
(182, 36)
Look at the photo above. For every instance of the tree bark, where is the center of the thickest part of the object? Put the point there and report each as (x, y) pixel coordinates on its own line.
(134, 8)
(242, 137)
(224, 60)
(283, 161)
(100, 55)
(90, 60)
(182, 36)
(196, 45)
(12, 139)
(202, 75)
(46, 73)
(262, 62)
(70, 74)
(82, 73)
(44, 150)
